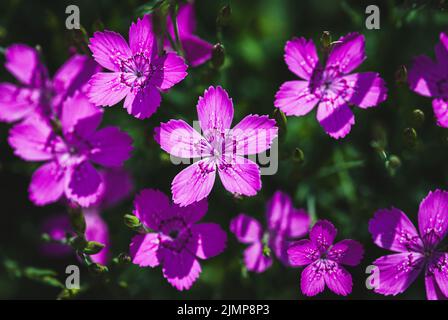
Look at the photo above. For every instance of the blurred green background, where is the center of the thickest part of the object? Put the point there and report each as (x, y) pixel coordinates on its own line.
(344, 181)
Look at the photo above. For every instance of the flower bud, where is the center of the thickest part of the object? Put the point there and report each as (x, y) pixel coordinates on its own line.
(78, 243)
(93, 247)
(281, 121)
(123, 258)
(326, 40)
(401, 75)
(132, 222)
(98, 268)
(410, 136)
(418, 117)
(298, 156)
(393, 162)
(218, 55)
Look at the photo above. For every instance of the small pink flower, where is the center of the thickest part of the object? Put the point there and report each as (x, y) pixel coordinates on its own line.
(177, 242)
(222, 149)
(138, 72)
(329, 86)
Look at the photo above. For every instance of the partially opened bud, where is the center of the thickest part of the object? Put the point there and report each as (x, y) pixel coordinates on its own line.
(132, 222)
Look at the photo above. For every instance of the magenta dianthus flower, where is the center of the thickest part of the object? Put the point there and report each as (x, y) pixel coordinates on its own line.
(416, 251)
(197, 51)
(325, 261)
(69, 152)
(177, 241)
(222, 149)
(37, 92)
(284, 224)
(430, 79)
(138, 72)
(331, 86)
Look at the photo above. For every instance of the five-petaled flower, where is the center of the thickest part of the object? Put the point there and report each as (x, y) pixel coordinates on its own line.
(178, 241)
(331, 87)
(138, 72)
(324, 260)
(222, 149)
(416, 251)
(37, 92)
(69, 147)
(430, 79)
(284, 224)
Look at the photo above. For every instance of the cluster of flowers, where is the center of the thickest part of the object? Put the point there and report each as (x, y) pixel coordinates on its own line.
(56, 122)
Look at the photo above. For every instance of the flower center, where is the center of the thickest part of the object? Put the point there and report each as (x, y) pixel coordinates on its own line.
(136, 71)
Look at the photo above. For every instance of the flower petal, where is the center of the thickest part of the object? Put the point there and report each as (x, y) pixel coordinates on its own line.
(143, 103)
(246, 229)
(369, 89)
(193, 212)
(254, 134)
(47, 184)
(432, 288)
(433, 218)
(83, 184)
(312, 279)
(336, 119)
(110, 147)
(24, 63)
(348, 252)
(302, 253)
(197, 51)
(215, 110)
(33, 139)
(117, 186)
(151, 206)
(294, 98)
(439, 268)
(391, 229)
(255, 260)
(106, 89)
(301, 57)
(142, 38)
(397, 272)
(348, 53)
(170, 69)
(440, 107)
(179, 139)
(283, 218)
(424, 76)
(194, 183)
(80, 116)
(143, 250)
(240, 176)
(17, 103)
(181, 269)
(71, 76)
(210, 238)
(109, 49)
(323, 234)
(186, 20)
(337, 278)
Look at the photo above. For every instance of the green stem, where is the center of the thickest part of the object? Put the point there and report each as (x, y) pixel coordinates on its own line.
(173, 13)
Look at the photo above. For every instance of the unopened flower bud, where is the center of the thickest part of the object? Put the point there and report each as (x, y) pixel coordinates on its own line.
(132, 222)
(326, 40)
(93, 247)
(298, 155)
(123, 258)
(401, 75)
(393, 162)
(78, 243)
(98, 268)
(410, 136)
(218, 55)
(418, 117)
(281, 121)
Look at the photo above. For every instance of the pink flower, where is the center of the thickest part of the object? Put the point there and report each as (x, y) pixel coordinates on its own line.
(37, 92)
(138, 72)
(197, 51)
(325, 260)
(415, 251)
(284, 223)
(222, 149)
(178, 241)
(331, 87)
(430, 79)
(69, 152)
